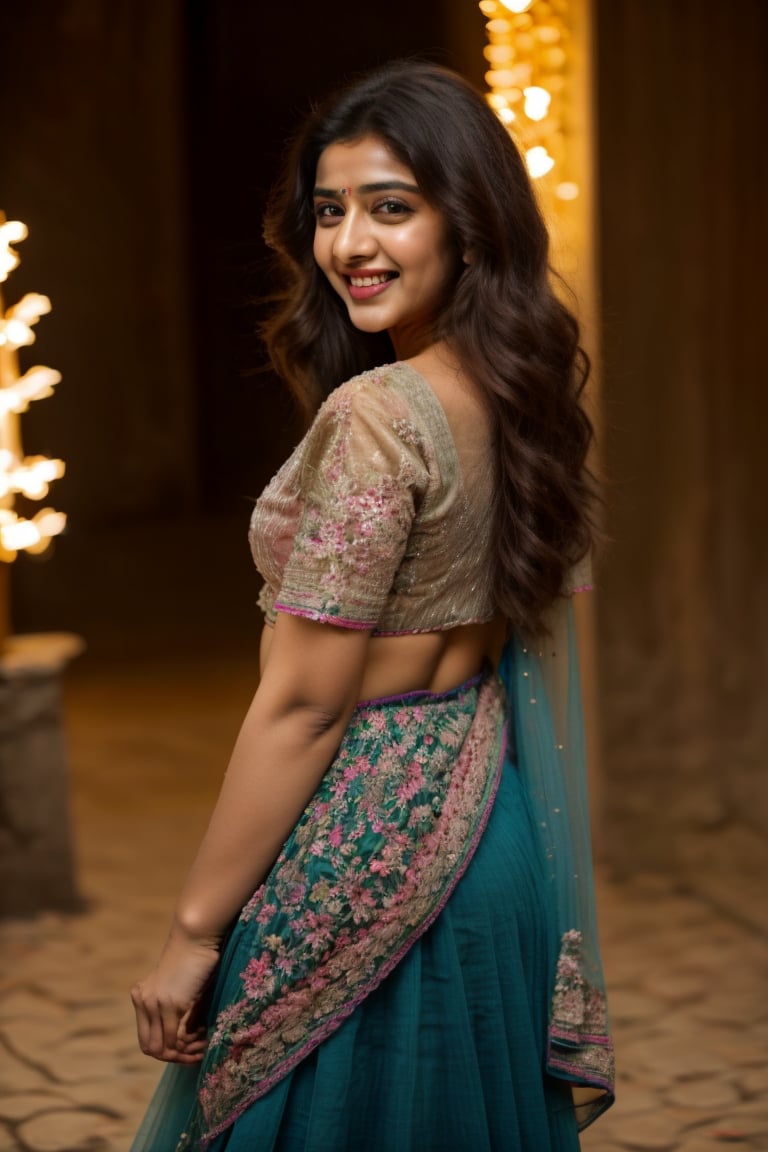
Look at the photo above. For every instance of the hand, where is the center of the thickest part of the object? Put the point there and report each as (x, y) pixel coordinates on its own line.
(165, 1001)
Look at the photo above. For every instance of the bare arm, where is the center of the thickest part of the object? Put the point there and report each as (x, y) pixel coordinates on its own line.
(289, 737)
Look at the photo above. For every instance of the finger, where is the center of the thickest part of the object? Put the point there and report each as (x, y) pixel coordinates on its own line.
(197, 1017)
(190, 1027)
(170, 1017)
(151, 1026)
(192, 1045)
(142, 1018)
(155, 1040)
(176, 1057)
(192, 1041)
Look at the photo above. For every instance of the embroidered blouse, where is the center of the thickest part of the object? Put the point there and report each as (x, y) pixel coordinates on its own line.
(370, 523)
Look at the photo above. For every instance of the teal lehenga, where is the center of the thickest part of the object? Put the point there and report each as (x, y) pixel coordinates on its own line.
(408, 979)
(419, 972)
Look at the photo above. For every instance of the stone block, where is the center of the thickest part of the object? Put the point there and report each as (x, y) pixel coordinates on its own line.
(36, 857)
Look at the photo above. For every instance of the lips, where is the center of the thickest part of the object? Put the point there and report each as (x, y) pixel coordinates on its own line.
(364, 285)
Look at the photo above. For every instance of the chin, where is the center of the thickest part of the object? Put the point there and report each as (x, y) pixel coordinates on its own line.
(364, 324)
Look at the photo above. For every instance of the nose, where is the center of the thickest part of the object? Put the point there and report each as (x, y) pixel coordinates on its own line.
(353, 238)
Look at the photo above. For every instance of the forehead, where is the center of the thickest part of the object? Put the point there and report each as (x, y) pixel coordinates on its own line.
(360, 161)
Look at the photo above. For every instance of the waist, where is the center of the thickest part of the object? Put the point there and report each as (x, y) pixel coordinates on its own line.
(425, 695)
(430, 662)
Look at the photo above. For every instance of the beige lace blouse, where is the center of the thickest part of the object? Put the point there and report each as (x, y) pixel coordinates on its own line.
(370, 523)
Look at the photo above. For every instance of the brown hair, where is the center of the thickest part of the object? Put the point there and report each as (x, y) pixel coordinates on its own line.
(504, 320)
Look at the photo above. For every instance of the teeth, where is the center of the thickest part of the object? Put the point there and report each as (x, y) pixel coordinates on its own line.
(367, 281)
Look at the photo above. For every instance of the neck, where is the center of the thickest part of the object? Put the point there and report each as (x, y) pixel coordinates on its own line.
(413, 342)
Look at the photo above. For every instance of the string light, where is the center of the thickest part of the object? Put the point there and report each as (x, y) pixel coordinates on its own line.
(30, 535)
(539, 161)
(537, 102)
(11, 232)
(36, 384)
(567, 190)
(528, 56)
(27, 476)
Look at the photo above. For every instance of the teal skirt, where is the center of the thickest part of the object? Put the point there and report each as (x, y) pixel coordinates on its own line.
(447, 1053)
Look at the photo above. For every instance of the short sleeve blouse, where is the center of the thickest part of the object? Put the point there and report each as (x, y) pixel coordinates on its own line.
(369, 524)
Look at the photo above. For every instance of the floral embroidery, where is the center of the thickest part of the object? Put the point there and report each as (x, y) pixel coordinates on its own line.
(358, 475)
(579, 1041)
(368, 867)
(369, 524)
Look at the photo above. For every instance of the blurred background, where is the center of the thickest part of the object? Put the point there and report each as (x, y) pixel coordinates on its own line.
(139, 144)
(139, 141)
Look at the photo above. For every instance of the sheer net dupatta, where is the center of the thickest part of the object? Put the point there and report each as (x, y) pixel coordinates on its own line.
(542, 683)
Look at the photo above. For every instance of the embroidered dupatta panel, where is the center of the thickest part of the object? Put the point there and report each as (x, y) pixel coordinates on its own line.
(546, 716)
(369, 866)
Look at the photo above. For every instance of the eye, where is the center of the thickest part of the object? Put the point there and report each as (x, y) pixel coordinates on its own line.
(327, 213)
(392, 207)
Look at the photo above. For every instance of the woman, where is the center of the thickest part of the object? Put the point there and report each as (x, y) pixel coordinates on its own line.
(383, 922)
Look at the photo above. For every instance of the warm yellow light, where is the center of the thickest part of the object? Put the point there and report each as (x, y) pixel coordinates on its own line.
(528, 47)
(30, 477)
(35, 384)
(499, 53)
(539, 161)
(8, 261)
(11, 232)
(50, 523)
(15, 334)
(30, 308)
(500, 78)
(20, 535)
(516, 77)
(29, 535)
(568, 190)
(537, 101)
(555, 58)
(548, 33)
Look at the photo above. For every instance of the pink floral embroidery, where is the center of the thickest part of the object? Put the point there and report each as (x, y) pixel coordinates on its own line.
(369, 523)
(579, 1040)
(355, 521)
(374, 863)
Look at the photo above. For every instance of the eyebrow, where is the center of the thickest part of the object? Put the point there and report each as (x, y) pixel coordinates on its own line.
(365, 189)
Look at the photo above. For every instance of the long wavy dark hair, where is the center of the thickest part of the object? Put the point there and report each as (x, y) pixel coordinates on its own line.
(505, 323)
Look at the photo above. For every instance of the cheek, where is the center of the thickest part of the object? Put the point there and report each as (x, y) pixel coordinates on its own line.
(441, 272)
(321, 249)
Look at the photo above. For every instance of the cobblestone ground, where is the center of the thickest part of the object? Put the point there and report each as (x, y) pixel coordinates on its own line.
(689, 984)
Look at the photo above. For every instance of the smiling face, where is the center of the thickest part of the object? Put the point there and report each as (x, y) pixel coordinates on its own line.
(384, 248)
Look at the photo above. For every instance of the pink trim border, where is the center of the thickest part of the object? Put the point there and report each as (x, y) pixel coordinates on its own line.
(345, 622)
(580, 1076)
(322, 617)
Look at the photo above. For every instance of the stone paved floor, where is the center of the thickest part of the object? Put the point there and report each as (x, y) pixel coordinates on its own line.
(689, 984)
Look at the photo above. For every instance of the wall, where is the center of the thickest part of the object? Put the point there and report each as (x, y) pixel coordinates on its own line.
(140, 138)
(682, 91)
(92, 161)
